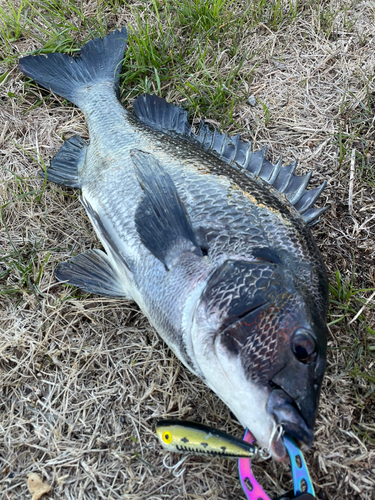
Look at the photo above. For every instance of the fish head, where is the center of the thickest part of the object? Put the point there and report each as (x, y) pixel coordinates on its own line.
(259, 337)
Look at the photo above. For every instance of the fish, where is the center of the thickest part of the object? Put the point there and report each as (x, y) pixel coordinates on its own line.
(207, 236)
(198, 439)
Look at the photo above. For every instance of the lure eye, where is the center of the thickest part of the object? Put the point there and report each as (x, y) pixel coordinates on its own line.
(167, 437)
(304, 346)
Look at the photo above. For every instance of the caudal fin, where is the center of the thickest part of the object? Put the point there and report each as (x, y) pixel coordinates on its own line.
(99, 61)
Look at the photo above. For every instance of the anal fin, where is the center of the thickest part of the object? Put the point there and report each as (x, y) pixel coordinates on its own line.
(66, 163)
(92, 272)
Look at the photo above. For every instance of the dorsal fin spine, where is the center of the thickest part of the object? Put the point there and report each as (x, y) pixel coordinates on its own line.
(184, 126)
(276, 171)
(224, 143)
(158, 114)
(209, 137)
(248, 154)
(291, 167)
(311, 197)
(202, 132)
(311, 216)
(212, 139)
(217, 140)
(261, 162)
(235, 142)
(299, 193)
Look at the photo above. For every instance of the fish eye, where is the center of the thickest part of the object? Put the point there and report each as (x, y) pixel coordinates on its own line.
(304, 346)
(167, 437)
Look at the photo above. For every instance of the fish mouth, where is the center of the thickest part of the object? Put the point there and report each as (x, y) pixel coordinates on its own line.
(277, 448)
(285, 412)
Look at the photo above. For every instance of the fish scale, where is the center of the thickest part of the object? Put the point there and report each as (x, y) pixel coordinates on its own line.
(207, 236)
(230, 216)
(207, 199)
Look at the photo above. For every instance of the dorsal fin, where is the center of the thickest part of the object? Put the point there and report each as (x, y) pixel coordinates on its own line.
(160, 115)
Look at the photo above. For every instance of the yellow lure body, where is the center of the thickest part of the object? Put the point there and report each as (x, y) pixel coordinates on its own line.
(198, 439)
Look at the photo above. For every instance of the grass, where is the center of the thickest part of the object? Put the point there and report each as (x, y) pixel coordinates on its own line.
(157, 59)
(357, 122)
(346, 297)
(354, 307)
(83, 378)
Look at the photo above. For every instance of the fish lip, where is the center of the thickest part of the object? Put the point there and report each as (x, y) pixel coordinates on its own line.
(278, 449)
(285, 412)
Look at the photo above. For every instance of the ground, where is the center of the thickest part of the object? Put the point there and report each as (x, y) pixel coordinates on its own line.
(83, 379)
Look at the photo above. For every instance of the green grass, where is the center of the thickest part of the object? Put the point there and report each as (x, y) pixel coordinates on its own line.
(351, 308)
(356, 130)
(158, 56)
(346, 297)
(155, 53)
(172, 44)
(49, 22)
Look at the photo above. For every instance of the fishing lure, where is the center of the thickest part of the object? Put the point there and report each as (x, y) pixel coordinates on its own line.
(198, 439)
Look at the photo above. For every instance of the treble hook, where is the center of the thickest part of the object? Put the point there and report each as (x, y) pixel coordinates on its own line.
(174, 468)
(278, 431)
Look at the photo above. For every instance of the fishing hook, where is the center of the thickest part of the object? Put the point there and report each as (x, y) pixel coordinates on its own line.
(174, 468)
(277, 432)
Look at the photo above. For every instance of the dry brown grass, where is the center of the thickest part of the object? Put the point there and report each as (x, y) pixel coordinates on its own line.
(83, 379)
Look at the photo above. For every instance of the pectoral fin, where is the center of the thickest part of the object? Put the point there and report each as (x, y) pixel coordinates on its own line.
(161, 219)
(93, 272)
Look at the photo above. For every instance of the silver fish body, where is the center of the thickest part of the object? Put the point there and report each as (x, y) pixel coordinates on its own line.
(211, 241)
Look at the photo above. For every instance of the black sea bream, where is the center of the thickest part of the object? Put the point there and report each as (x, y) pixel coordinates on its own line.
(210, 239)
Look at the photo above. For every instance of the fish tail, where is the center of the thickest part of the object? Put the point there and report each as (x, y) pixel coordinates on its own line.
(98, 61)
